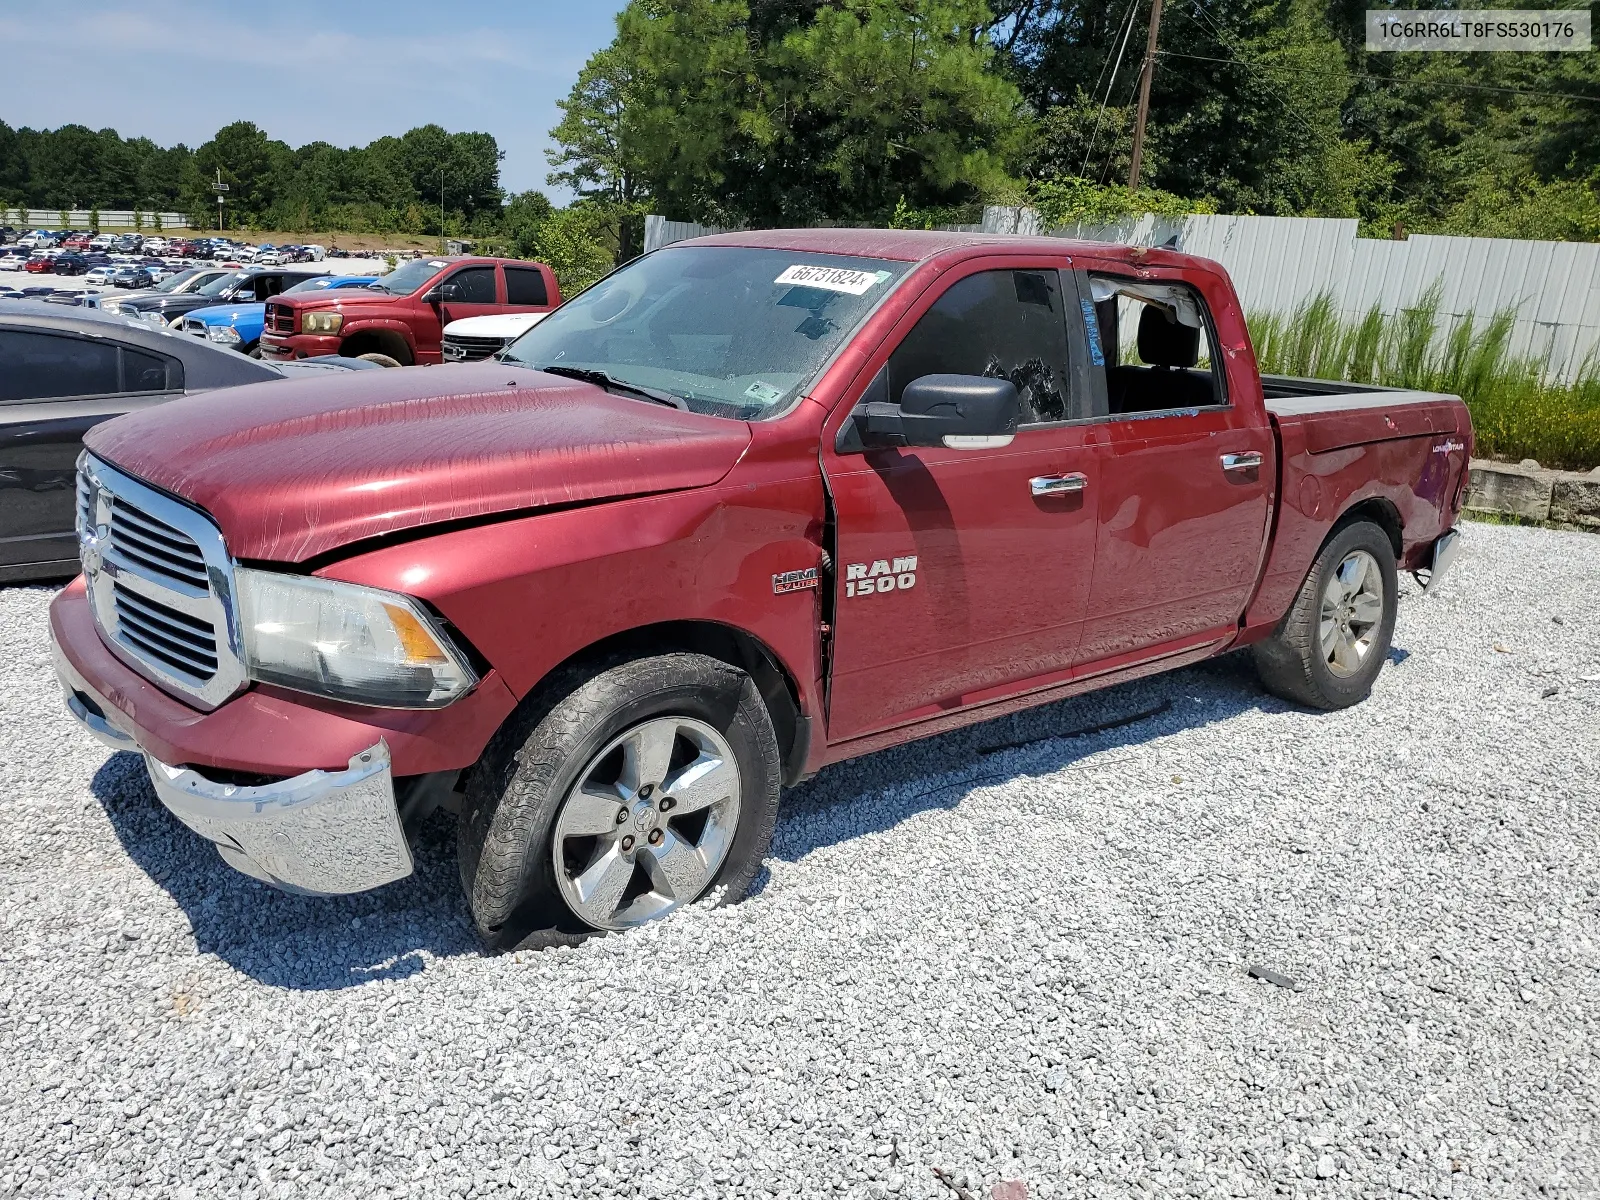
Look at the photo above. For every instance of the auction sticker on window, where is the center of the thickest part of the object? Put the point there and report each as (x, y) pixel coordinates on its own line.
(832, 279)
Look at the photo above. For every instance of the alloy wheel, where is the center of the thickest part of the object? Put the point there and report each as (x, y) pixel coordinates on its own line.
(1352, 610)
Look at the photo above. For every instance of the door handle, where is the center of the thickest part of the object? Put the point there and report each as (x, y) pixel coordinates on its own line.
(1241, 462)
(1057, 485)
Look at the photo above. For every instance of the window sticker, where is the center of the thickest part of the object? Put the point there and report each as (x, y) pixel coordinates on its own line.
(1091, 322)
(832, 279)
(765, 393)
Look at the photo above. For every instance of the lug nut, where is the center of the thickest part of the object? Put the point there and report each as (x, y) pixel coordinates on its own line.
(666, 803)
(622, 817)
(644, 792)
(655, 837)
(627, 842)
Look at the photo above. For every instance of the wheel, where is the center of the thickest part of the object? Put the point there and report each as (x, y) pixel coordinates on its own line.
(1333, 643)
(175, 323)
(383, 360)
(616, 796)
(254, 351)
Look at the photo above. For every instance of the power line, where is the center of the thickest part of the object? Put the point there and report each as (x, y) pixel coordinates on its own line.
(1127, 20)
(1383, 79)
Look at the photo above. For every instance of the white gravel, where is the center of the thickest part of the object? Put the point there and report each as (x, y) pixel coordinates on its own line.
(1024, 965)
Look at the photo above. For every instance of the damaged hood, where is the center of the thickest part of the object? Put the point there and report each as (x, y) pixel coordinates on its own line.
(292, 470)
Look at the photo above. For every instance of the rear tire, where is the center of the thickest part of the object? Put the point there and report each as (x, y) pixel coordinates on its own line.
(383, 360)
(1330, 647)
(566, 807)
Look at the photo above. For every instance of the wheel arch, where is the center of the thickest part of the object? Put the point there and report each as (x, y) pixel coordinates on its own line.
(726, 643)
(378, 339)
(1379, 510)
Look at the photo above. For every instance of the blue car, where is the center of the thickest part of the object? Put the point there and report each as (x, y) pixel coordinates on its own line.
(239, 325)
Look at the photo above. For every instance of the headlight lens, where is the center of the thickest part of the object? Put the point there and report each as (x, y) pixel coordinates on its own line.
(156, 319)
(114, 307)
(223, 333)
(322, 322)
(347, 642)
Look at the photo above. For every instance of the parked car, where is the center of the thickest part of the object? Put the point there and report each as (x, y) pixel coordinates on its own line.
(13, 262)
(475, 338)
(100, 276)
(239, 325)
(70, 264)
(132, 276)
(159, 271)
(76, 297)
(79, 242)
(37, 240)
(752, 505)
(9, 293)
(399, 320)
(245, 285)
(39, 264)
(64, 370)
(103, 242)
(155, 245)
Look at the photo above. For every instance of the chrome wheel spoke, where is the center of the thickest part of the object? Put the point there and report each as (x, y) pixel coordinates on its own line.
(706, 781)
(1352, 573)
(600, 887)
(1330, 636)
(1367, 609)
(589, 812)
(676, 868)
(647, 753)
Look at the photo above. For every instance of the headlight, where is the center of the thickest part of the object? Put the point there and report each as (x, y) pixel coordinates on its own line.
(156, 319)
(347, 642)
(223, 333)
(322, 322)
(114, 307)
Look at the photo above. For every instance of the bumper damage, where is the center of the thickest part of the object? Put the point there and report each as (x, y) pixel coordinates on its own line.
(324, 833)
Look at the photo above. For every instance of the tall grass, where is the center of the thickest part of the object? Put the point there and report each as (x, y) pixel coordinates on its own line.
(1518, 409)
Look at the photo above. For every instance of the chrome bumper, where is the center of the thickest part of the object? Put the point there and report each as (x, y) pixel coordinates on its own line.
(323, 833)
(1444, 553)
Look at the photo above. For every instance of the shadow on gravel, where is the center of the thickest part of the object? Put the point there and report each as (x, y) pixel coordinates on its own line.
(303, 942)
(937, 772)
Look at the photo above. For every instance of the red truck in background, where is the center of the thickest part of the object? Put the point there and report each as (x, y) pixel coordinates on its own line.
(753, 504)
(399, 319)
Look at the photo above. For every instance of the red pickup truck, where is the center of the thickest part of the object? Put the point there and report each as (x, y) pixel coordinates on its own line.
(753, 504)
(399, 320)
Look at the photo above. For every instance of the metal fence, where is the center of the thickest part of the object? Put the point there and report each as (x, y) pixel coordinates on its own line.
(1278, 263)
(84, 218)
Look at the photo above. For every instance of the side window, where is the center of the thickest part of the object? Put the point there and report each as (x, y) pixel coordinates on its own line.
(41, 366)
(475, 285)
(143, 372)
(1158, 344)
(1001, 324)
(524, 286)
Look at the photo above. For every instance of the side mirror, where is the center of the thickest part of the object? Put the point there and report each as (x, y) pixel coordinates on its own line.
(958, 412)
(445, 291)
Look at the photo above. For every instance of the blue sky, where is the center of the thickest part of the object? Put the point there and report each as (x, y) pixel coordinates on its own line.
(341, 71)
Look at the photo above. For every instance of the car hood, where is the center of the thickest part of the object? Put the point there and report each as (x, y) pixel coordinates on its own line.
(227, 314)
(494, 325)
(293, 470)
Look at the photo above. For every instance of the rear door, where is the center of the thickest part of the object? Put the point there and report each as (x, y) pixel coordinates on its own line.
(527, 290)
(53, 388)
(962, 574)
(1186, 473)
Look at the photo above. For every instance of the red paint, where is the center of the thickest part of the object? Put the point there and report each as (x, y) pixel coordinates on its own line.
(415, 322)
(577, 516)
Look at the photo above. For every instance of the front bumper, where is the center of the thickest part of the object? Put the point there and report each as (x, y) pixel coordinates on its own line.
(284, 346)
(324, 833)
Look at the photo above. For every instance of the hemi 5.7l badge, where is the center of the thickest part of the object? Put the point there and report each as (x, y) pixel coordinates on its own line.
(794, 581)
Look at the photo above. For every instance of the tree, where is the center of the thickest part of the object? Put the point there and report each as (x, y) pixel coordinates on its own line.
(595, 158)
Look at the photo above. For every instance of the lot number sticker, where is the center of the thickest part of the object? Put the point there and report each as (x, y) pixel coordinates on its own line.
(831, 279)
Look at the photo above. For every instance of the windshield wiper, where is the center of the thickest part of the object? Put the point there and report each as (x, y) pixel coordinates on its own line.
(601, 379)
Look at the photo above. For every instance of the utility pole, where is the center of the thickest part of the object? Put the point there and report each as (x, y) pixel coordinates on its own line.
(219, 188)
(1144, 95)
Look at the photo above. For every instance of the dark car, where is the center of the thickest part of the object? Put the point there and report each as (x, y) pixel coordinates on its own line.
(244, 286)
(132, 277)
(64, 370)
(71, 264)
(130, 243)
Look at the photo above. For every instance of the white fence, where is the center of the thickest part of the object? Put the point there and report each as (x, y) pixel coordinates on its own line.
(1279, 262)
(83, 218)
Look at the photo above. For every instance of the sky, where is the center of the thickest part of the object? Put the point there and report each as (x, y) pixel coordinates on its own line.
(340, 71)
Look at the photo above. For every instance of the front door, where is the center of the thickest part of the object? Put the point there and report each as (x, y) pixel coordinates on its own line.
(963, 573)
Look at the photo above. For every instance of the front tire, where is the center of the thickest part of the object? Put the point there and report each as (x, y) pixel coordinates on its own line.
(1329, 649)
(615, 796)
(383, 360)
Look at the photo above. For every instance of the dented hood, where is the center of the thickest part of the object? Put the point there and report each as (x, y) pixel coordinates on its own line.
(292, 470)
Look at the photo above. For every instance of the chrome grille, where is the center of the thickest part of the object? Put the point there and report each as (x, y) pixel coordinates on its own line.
(458, 348)
(280, 319)
(160, 584)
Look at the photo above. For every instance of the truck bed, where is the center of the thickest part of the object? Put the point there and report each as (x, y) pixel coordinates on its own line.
(1333, 414)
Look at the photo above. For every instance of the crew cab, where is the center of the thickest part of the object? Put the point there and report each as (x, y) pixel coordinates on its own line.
(399, 320)
(240, 325)
(752, 504)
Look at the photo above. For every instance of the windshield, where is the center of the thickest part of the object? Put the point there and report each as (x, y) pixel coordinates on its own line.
(312, 285)
(734, 330)
(173, 282)
(407, 279)
(222, 283)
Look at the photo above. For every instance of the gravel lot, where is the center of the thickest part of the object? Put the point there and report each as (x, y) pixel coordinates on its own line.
(1020, 964)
